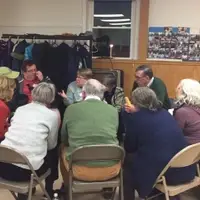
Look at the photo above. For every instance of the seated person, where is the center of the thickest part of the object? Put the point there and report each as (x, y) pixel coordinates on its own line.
(7, 86)
(33, 131)
(187, 114)
(89, 122)
(144, 78)
(31, 77)
(114, 95)
(74, 90)
(154, 137)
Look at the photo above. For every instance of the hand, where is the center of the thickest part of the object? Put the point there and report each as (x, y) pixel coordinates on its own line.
(62, 94)
(130, 108)
(39, 75)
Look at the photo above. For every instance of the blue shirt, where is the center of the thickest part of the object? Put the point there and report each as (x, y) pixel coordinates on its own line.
(74, 94)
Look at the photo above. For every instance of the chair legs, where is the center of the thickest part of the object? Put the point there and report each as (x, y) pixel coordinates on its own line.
(44, 190)
(14, 195)
(165, 188)
(121, 188)
(70, 185)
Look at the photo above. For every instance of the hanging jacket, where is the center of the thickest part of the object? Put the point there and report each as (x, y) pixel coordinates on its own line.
(19, 49)
(28, 52)
(5, 51)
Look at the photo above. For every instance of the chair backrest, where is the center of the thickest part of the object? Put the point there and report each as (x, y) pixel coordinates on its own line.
(183, 158)
(9, 155)
(187, 156)
(97, 153)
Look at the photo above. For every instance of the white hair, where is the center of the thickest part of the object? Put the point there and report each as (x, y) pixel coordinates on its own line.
(189, 92)
(94, 88)
(44, 93)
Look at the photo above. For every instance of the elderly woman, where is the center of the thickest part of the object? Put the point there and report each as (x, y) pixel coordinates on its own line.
(74, 90)
(33, 131)
(114, 95)
(187, 114)
(7, 86)
(153, 136)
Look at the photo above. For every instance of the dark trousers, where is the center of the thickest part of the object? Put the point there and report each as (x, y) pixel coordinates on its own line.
(14, 173)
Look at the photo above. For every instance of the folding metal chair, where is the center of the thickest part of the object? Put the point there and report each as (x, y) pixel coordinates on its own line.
(186, 157)
(96, 153)
(9, 155)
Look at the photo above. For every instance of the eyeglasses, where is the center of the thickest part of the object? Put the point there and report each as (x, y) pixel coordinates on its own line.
(80, 77)
(31, 71)
(139, 77)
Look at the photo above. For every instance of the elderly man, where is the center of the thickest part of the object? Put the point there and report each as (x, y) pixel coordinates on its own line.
(91, 121)
(144, 78)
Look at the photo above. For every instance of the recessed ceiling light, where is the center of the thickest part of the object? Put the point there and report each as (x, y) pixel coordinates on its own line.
(115, 20)
(108, 15)
(120, 24)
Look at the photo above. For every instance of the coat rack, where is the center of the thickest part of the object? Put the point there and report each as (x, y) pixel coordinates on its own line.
(51, 37)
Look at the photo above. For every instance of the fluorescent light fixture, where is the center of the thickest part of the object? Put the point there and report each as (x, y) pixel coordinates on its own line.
(108, 15)
(115, 20)
(120, 24)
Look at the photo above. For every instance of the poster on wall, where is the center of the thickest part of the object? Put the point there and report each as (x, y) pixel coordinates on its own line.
(194, 48)
(168, 43)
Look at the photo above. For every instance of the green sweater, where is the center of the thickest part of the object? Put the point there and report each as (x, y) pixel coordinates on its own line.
(89, 122)
(158, 86)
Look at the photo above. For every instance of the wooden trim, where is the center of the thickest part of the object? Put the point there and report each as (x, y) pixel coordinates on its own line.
(143, 29)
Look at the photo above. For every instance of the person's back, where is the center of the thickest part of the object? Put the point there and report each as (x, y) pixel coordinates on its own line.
(29, 130)
(154, 138)
(187, 114)
(91, 122)
(159, 138)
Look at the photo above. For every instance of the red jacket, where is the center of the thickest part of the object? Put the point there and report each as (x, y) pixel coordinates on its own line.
(4, 114)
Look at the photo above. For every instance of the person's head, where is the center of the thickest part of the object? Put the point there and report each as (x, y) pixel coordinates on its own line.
(44, 93)
(82, 76)
(93, 88)
(143, 75)
(7, 83)
(7, 87)
(188, 92)
(144, 97)
(110, 81)
(29, 70)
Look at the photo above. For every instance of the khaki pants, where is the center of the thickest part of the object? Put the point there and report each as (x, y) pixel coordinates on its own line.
(85, 173)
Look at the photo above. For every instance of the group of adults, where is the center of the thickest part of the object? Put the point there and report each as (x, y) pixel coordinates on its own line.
(94, 114)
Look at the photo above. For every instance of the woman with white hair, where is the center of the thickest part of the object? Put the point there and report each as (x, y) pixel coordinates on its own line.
(188, 112)
(33, 131)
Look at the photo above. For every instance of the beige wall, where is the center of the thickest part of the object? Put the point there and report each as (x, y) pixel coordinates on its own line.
(175, 13)
(43, 16)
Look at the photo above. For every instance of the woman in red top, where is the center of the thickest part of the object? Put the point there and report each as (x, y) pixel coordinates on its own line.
(7, 86)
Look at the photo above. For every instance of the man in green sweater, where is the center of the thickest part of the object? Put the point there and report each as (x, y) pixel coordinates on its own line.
(90, 122)
(144, 78)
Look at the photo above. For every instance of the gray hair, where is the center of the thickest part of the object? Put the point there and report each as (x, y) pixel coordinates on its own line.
(144, 97)
(146, 69)
(95, 88)
(44, 93)
(189, 92)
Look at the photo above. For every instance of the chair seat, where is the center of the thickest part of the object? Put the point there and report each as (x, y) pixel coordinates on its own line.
(21, 187)
(81, 186)
(174, 190)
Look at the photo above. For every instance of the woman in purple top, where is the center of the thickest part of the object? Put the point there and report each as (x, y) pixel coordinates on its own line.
(188, 112)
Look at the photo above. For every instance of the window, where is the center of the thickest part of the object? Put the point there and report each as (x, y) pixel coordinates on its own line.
(112, 25)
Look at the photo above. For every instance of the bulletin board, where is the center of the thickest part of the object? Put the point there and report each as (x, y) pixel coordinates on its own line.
(173, 43)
